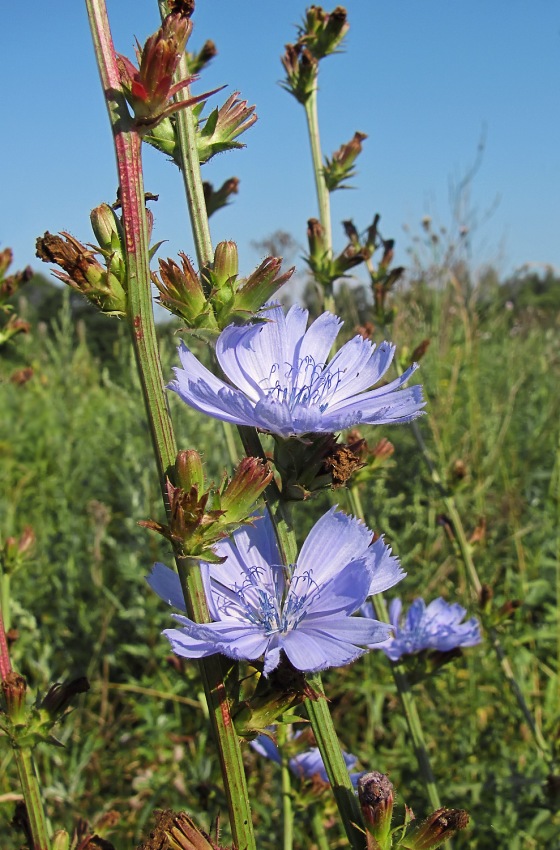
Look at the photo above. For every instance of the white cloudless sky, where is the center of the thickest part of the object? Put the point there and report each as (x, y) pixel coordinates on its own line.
(425, 79)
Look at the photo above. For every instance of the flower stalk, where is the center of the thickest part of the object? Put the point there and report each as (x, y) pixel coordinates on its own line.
(140, 315)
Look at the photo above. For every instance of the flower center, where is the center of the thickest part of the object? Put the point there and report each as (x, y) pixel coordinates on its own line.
(307, 383)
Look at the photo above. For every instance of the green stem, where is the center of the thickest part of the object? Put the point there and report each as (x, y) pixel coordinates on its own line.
(337, 772)
(140, 314)
(32, 796)
(323, 197)
(185, 124)
(5, 600)
(408, 701)
(287, 807)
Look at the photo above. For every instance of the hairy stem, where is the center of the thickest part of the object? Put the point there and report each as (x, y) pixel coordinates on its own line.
(141, 320)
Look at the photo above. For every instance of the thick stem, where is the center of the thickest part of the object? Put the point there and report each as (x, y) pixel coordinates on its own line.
(140, 314)
(32, 796)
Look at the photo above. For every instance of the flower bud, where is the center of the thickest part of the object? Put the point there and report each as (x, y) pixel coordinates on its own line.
(189, 472)
(323, 32)
(437, 828)
(181, 292)
(197, 61)
(215, 199)
(14, 689)
(60, 840)
(60, 694)
(249, 481)
(376, 796)
(301, 72)
(226, 264)
(341, 166)
(261, 285)
(222, 126)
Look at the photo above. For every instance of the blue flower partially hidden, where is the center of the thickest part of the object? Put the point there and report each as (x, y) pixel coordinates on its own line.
(261, 608)
(304, 765)
(436, 626)
(281, 381)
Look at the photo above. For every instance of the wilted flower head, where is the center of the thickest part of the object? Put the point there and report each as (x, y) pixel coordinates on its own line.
(305, 765)
(281, 381)
(260, 607)
(436, 626)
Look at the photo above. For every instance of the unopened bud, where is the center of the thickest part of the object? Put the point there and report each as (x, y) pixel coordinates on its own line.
(261, 285)
(376, 796)
(189, 471)
(215, 199)
(341, 166)
(181, 292)
(106, 226)
(226, 263)
(197, 61)
(60, 840)
(14, 688)
(60, 695)
(249, 481)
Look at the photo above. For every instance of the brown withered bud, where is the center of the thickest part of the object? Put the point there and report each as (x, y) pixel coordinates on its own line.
(485, 596)
(185, 8)
(177, 831)
(21, 376)
(437, 828)
(351, 232)
(383, 449)
(82, 271)
(343, 461)
(371, 239)
(14, 689)
(215, 199)
(6, 258)
(301, 71)
(388, 253)
(459, 469)
(479, 533)
(365, 331)
(60, 695)
(420, 350)
(341, 166)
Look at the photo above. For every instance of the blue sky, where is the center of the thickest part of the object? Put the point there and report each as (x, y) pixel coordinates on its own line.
(425, 79)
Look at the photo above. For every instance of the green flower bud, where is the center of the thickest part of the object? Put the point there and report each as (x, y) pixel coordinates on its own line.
(251, 478)
(189, 472)
(376, 796)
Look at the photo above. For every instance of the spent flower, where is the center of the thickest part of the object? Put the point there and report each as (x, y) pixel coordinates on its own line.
(281, 381)
(262, 608)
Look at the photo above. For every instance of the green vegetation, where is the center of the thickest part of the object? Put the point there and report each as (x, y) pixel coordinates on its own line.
(76, 465)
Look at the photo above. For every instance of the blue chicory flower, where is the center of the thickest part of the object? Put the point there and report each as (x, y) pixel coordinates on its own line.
(281, 382)
(304, 765)
(436, 626)
(260, 608)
